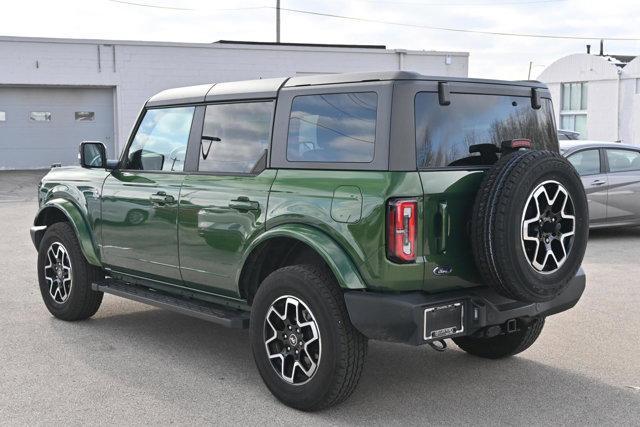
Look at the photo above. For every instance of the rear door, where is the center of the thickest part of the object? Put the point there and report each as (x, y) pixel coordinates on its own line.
(455, 146)
(140, 200)
(589, 165)
(624, 185)
(223, 202)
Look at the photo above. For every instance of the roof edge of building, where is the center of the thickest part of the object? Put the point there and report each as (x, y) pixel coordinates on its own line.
(230, 44)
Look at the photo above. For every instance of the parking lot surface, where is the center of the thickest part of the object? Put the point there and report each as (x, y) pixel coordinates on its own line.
(132, 364)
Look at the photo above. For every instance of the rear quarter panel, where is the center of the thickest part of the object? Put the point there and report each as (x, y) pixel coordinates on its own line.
(327, 200)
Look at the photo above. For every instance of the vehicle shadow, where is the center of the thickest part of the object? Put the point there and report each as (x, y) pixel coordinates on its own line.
(206, 369)
(618, 233)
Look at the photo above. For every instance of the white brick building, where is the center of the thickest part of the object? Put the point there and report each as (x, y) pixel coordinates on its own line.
(597, 95)
(56, 92)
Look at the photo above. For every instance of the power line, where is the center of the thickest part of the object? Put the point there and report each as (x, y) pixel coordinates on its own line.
(187, 9)
(498, 3)
(401, 24)
(457, 30)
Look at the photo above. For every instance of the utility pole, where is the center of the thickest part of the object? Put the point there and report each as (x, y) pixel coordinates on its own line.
(277, 21)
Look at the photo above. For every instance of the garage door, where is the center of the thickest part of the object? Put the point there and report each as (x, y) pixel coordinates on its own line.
(41, 126)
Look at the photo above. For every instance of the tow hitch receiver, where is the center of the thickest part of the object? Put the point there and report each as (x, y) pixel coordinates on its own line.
(443, 321)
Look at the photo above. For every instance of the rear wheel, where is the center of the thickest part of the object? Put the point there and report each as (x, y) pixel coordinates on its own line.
(65, 276)
(503, 345)
(306, 349)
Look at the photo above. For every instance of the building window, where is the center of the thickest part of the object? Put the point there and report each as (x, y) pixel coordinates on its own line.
(40, 116)
(85, 116)
(573, 111)
(3, 116)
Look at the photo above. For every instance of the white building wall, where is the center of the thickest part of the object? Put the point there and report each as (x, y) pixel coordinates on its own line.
(142, 69)
(630, 108)
(613, 106)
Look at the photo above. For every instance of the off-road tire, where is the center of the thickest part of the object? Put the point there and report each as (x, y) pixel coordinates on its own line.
(503, 345)
(343, 348)
(82, 301)
(496, 225)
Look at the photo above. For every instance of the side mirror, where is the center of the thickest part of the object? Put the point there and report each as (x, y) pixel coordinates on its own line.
(93, 155)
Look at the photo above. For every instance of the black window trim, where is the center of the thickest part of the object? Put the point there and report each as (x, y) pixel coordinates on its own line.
(606, 158)
(380, 162)
(599, 150)
(194, 146)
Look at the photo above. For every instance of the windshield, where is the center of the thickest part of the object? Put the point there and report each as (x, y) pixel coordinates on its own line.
(466, 131)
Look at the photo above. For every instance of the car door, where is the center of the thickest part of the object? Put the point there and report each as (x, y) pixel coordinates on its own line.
(588, 163)
(140, 199)
(624, 185)
(223, 202)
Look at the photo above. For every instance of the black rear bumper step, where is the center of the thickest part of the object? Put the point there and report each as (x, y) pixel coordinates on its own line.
(400, 317)
(215, 313)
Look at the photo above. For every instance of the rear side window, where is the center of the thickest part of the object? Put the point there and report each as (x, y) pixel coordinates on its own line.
(337, 127)
(235, 136)
(586, 162)
(446, 134)
(623, 160)
(160, 143)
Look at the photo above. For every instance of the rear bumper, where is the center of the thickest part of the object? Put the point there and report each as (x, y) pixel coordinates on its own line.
(401, 317)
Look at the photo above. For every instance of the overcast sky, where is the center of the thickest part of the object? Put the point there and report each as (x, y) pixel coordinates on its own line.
(491, 56)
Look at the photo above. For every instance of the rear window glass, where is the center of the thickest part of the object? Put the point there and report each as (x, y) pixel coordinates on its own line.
(337, 127)
(446, 134)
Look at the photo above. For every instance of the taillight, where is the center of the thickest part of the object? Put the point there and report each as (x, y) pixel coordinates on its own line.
(402, 230)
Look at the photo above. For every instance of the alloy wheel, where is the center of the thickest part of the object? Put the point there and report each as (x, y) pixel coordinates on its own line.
(548, 227)
(292, 340)
(58, 273)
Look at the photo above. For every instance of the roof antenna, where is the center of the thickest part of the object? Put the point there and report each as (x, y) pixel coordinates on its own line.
(601, 47)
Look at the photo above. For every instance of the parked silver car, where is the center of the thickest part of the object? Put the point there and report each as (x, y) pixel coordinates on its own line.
(610, 174)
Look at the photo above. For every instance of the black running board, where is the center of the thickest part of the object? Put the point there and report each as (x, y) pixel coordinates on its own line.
(215, 313)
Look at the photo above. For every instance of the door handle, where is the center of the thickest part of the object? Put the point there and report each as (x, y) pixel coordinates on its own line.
(162, 198)
(598, 182)
(441, 240)
(244, 204)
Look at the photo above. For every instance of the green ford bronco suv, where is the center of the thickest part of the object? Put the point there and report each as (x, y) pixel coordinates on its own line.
(323, 211)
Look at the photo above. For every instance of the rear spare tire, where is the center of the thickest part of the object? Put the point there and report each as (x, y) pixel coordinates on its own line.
(530, 225)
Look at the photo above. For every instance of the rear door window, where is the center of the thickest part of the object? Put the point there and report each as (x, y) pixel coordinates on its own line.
(456, 134)
(235, 136)
(586, 162)
(623, 160)
(337, 127)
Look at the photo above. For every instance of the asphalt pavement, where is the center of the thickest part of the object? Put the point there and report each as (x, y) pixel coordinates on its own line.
(133, 364)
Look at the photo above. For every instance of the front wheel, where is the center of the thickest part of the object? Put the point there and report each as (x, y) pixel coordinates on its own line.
(307, 351)
(65, 276)
(503, 345)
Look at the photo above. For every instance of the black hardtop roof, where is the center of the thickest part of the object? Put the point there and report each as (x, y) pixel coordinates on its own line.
(269, 88)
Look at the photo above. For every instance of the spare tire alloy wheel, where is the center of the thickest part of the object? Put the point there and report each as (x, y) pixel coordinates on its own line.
(58, 273)
(530, 225)
(292, 340)
(548, 227)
